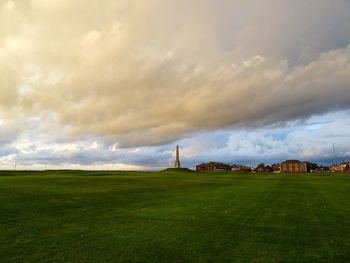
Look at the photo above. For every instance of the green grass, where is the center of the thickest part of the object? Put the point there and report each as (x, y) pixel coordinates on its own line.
(173, 216)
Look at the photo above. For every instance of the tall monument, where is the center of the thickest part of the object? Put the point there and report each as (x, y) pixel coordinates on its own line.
(177, 161)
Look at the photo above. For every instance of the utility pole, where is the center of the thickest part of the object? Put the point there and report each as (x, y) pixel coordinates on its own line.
(334, 155)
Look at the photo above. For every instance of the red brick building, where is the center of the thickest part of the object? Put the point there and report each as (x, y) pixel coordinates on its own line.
(294, 166)
(213, 166)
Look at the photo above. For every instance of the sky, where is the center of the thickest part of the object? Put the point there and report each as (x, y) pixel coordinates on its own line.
(91, 84)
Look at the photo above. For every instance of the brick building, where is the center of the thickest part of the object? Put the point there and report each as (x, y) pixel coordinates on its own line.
(213, 166)
(294, 166)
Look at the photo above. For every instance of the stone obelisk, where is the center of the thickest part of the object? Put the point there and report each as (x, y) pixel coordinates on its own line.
(177, 161)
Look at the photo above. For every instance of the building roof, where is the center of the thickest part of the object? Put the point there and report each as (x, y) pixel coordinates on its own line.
(212, 163)
(292, 161)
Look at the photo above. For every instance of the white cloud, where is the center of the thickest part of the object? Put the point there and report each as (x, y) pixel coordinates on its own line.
(294, 141)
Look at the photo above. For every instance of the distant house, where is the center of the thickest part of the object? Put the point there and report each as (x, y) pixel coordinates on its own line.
(235, 167)
(313, 167)
(262, 168)
(324, 169)
(276, 167)
(213, 166)
(240, 167)
(294, 166)
(341, 167)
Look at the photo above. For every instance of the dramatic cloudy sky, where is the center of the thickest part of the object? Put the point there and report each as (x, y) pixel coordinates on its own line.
(117, 84)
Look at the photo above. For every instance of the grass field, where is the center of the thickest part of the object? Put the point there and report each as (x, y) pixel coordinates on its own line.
(171, 216)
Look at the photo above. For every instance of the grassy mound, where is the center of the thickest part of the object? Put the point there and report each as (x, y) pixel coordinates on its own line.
(177, 170)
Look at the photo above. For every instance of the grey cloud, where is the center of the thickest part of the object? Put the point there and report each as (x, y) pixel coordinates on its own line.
(33, 152)
(247, 146)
